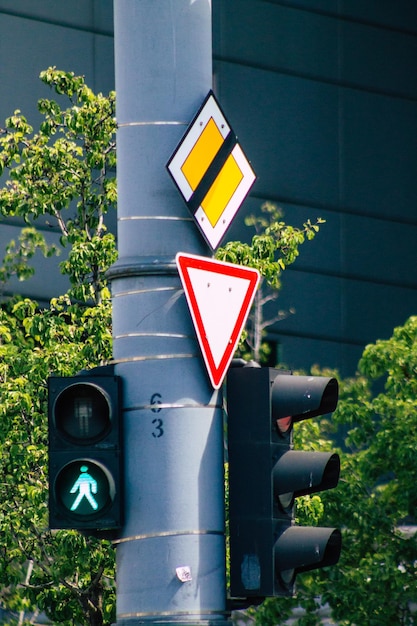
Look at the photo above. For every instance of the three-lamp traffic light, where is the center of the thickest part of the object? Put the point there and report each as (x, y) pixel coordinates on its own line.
(267, 550)
(85, 472)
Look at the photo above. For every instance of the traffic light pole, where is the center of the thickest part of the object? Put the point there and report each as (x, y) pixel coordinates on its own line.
(170, 552)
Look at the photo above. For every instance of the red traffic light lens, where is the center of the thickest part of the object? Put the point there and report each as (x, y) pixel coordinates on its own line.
(284, 424)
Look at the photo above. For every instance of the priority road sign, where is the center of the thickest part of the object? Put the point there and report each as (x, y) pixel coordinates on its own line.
(219, 297)
(211, 171)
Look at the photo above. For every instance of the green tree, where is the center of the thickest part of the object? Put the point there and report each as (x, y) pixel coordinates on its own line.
(376, 581)
(375, 503)
(274, 246)
(63, 175)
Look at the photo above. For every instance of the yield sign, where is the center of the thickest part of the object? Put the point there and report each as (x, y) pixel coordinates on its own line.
(219, 297)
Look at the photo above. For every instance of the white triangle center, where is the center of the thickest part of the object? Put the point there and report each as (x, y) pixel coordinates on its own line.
(220, 299)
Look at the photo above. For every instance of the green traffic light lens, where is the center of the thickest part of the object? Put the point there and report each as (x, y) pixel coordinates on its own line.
(84, 488)
(82, 413)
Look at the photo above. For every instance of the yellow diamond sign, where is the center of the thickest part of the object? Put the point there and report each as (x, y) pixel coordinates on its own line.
(211, 171)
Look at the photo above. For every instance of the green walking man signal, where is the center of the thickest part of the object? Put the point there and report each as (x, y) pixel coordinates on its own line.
(86, 487)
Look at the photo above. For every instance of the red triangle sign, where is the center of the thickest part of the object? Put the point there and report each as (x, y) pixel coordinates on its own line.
(219, 297)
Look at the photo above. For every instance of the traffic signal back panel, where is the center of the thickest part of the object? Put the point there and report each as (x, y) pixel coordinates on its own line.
(85, 451)
(266, 475)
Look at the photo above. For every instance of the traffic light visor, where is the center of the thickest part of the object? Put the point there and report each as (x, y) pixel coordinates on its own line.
(298, 473)
(304, 548)
(296, 398)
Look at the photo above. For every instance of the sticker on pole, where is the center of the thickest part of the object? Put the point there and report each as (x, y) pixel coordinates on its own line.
(211, 171)
(219, 296)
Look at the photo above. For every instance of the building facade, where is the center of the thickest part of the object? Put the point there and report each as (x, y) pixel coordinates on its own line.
(323, 97)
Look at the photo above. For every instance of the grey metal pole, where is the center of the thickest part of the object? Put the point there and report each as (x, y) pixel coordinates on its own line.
(170, 553)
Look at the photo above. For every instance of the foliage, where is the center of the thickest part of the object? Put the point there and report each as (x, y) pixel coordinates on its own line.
(59, 178)
(274, 246)
(375, 503)
(377, 499)
(61, 172)
(15, 261)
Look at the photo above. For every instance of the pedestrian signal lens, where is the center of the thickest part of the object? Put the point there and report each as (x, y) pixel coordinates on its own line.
(83, 413)
(84, 488)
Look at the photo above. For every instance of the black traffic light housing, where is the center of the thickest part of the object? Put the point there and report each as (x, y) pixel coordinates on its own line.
(85, 450)
(267, 550)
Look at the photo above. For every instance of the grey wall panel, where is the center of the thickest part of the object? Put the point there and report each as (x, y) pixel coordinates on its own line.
(274, 37)
(102, 78)
(301, 353)
(345, 310)
(311, 6)
(315, 45)
(348, 245)
(323, 254)
(399, 15)
(289, 130)
(317, 302)
(378, 155)
(94, 15)
(364, 61)
(372, 310)
(45, 45)
(47, 280)
(380, 251)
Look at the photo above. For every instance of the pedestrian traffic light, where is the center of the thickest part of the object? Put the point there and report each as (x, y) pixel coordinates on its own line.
(85, 472)
(267, 550)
